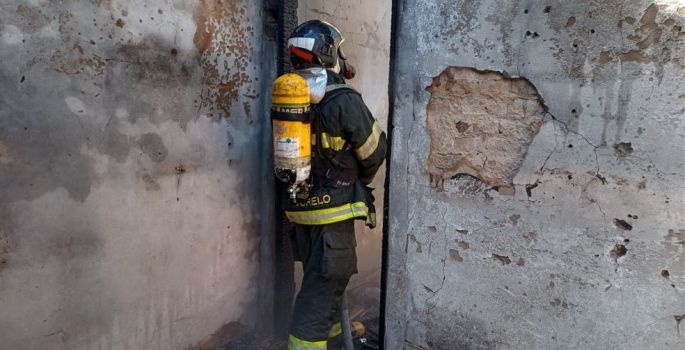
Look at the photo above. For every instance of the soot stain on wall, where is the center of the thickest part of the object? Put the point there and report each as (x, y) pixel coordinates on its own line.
(157, 63)
(152, 145)
(455, 330)
(150, 64)
(6, 231)
(481, 123)
(51, 144)
(74, 249)
(51, 135)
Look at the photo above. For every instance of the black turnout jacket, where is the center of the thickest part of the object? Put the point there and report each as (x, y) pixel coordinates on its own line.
(348, 147)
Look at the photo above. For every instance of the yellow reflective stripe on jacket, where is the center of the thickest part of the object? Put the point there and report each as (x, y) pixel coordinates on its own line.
(336, 330)
(335, 143)
(357, 329)
(295, 343)
(369, 146)
(329, 215)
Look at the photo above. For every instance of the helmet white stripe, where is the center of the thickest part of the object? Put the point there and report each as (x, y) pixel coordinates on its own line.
(303, 43)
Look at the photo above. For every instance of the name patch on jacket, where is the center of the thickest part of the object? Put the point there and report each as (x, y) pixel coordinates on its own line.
(314, 201)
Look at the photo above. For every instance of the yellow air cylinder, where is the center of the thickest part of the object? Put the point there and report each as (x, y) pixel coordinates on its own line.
(290, 117)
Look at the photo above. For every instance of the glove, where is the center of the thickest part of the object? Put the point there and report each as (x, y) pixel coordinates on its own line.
(369, 194)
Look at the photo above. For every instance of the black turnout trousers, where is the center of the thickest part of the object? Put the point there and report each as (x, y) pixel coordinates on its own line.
(329, 260)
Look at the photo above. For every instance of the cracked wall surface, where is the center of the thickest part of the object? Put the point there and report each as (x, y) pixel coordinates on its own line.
(588, 245)
(131, 136)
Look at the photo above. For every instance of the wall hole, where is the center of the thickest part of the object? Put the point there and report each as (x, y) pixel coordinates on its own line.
(618, 251)
(623, 149)
(623, 225)
(502, 259)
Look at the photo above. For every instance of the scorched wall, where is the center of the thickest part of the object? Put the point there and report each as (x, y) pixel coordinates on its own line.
(135, 181)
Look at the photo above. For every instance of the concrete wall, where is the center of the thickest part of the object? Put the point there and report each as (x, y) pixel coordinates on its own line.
(134, 185)
(536, 196)
(366, 28)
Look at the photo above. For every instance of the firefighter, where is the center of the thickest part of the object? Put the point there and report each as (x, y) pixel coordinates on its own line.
(348, 147)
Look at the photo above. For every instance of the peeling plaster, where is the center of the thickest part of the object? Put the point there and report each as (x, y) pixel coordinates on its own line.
(481, 124)
(223, 42)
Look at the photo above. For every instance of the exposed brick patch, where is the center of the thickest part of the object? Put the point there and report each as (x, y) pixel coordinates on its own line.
(481, 123)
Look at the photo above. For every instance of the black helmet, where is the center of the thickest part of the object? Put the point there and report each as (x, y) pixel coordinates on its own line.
(316, 43)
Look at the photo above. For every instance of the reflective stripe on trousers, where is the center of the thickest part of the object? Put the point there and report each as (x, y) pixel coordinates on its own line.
(295, 343)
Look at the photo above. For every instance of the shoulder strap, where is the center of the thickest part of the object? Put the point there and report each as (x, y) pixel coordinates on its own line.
(334, 90)
(331, 92)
